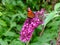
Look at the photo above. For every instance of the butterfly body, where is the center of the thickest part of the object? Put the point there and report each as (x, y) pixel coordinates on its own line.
(30, 13)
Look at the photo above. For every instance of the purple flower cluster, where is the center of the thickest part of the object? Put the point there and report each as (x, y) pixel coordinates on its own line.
(30, 24)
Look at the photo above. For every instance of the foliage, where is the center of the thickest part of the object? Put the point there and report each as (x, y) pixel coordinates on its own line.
(13, 14)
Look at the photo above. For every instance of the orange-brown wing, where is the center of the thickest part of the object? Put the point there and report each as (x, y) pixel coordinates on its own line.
(30, 14)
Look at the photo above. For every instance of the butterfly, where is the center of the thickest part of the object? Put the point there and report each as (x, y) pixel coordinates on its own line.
(30, 13)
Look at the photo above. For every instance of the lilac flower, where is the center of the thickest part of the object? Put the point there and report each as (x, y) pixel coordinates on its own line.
(30, 24)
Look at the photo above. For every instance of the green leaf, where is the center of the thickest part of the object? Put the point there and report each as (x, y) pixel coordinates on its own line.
(19, 27)
(9, 34)
(3, 23)
(3, 2)
(20, 3)
(45, 44)
(2, 42)
(57, 7)
(38, 43)
(16, 42)
(12, 24)
(0, 13)
(50, 16)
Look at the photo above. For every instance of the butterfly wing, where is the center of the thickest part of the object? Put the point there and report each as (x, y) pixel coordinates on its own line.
(30, 13)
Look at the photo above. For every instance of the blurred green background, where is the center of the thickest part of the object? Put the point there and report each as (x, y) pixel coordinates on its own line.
(13, 13)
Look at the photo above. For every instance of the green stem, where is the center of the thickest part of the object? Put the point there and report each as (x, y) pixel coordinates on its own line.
(27, 43)
(42, 30)
(9, 29)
